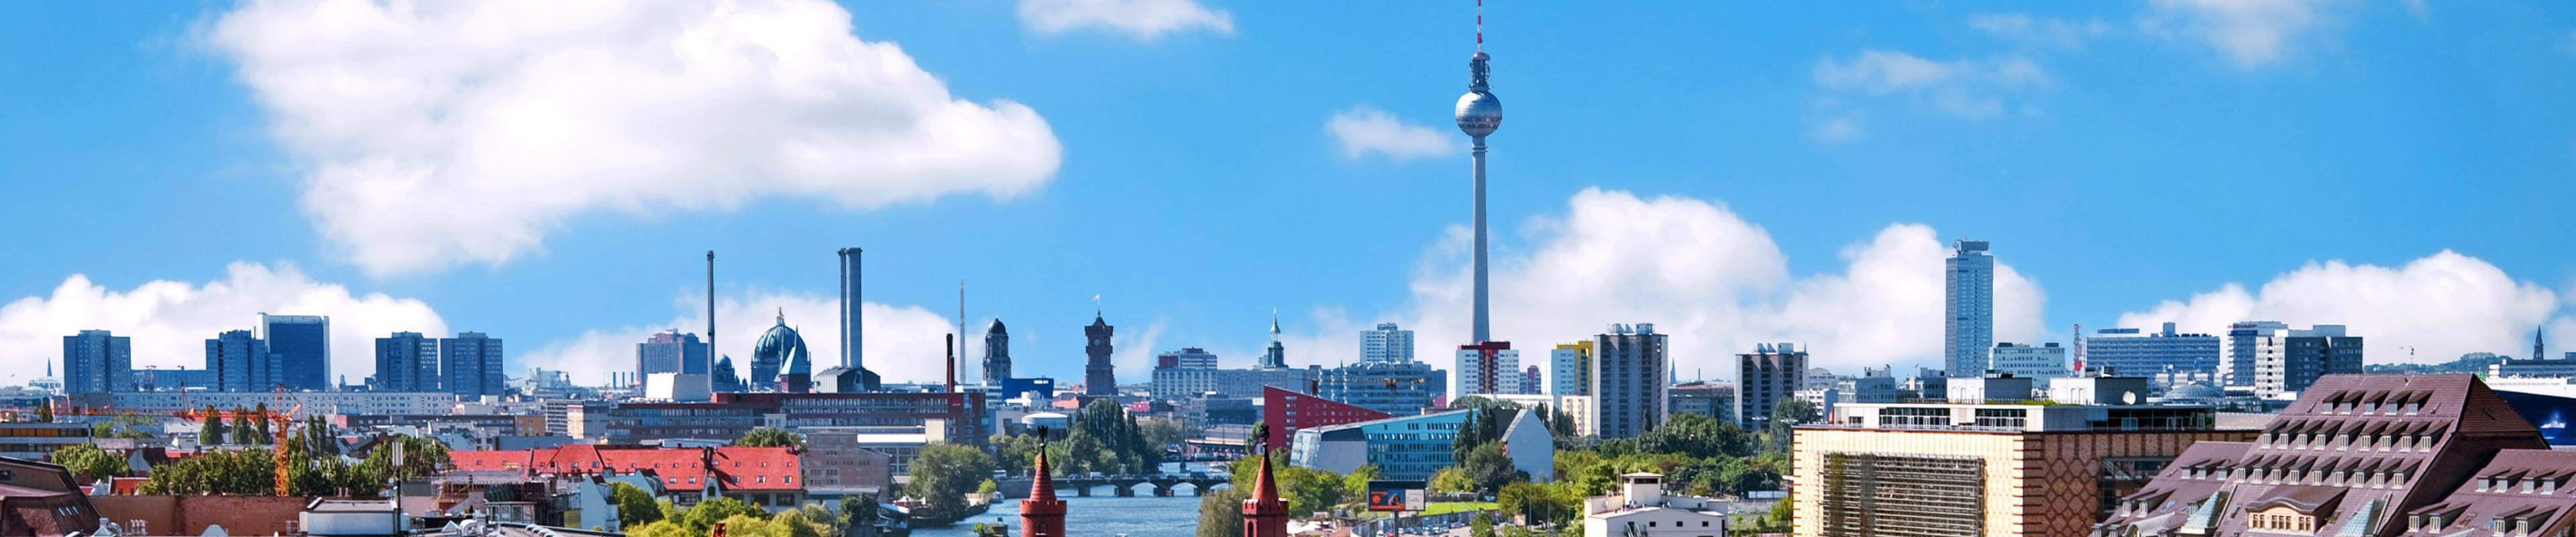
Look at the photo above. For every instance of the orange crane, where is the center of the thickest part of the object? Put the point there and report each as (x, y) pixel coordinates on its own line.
(283, 423)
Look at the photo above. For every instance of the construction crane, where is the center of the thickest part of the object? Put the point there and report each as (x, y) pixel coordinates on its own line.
(282, 425)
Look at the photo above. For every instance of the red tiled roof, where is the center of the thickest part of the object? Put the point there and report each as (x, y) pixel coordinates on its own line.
(736, 468)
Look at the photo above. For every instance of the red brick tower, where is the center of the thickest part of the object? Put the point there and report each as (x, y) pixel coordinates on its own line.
(1264, 515)
(1042, 515)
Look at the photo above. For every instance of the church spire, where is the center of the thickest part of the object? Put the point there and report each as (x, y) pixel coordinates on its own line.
(1264, 515)
(1042, 515)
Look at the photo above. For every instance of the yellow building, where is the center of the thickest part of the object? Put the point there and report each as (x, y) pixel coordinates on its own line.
(1982, 470)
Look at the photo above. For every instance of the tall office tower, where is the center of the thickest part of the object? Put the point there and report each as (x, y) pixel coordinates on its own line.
(1488, 368)
(303, 347)
(2042, 361)
(1533, 381)
(1387, 343)
(2126, 352)
(1277, 356)
(1628, 380)
(1479, 113)
(1970, 309)
(95, 361)
(1099, 377)
(2242, 339)
(2286, 364)
(407, 362)
(241, 362)
(1772, 373)
(474, 366)
(667, 352)
(1186, 358)
(1573, 365)
(997, 354)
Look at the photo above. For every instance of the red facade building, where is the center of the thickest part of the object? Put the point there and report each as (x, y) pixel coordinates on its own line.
(1285, 412)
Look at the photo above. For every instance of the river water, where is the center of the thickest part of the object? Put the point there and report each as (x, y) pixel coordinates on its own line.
(1102, 514)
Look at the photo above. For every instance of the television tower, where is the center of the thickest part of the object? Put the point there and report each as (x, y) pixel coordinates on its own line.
(1479, 113)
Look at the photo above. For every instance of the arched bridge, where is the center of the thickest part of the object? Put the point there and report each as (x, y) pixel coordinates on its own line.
(1123, 485)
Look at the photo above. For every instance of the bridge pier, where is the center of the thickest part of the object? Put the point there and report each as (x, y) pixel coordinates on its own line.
(1126, 492)
(1082, 491)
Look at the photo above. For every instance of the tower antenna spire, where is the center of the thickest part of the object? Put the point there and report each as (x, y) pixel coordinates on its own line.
(1480, 25)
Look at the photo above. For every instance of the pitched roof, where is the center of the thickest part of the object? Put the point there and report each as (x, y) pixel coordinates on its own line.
(735, 467)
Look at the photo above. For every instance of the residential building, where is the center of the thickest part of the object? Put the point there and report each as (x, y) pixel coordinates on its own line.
(1573, 365)
(96, 361)
(1396, 388)
(153, 379)
(407, 362)
(834, 459)
(585, 420)
(1770, 374)
(2043, 361)
(46, 500)
(761, 476)
(1532, 381)
(1969, 307)
(315, 403)
(1818, 378)
(1490, 367)
(1628, 380)
(37, 441)
(1963, 470)
(2243, 340)
(2288, 362)
(1386, 343)
(1186, 358)
(1286, 412)
(1872, 386)
(1414, 447)
(242, 363)
(1177, 383)
(1577, 408)
(473, 363)
(730, 415)
(1994, 388)
(1642, 508)
(303, 347)
(2371, 455)
(1710, 398)
(2124, 351)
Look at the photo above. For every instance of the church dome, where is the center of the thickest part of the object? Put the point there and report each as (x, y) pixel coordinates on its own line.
(997, 328)
(777, 345)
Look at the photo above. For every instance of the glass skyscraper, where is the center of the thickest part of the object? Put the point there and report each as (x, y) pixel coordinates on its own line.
(303, 347)
(241, 362)
(406, 362)
(95, 361)
(1969, 315)
(473, 363)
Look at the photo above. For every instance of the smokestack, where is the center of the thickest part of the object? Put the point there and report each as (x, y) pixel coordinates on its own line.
(952, 363)
(711, 320)
(850, 357)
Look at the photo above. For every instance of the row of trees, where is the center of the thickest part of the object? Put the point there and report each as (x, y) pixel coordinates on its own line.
(310, 472)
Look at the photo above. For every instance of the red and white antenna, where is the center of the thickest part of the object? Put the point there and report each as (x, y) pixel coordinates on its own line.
(1480, 25)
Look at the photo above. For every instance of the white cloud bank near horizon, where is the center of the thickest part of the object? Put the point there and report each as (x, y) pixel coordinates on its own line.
(2441, 305)
(170, 321)
(435, 134)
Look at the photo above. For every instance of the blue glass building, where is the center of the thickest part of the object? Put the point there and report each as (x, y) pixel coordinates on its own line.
(303, 347)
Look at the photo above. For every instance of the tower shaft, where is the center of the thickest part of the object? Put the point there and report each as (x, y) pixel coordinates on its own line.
(1482, 326)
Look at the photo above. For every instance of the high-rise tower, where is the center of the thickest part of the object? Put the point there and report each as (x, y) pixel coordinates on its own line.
(1479, 113)
(1969, 320)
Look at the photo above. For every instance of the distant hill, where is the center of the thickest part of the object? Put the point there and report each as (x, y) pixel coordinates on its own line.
(2475, 362)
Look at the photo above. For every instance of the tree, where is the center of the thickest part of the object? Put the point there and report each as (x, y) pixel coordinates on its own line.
(1473, 402)
(1164, 432)
(243, 434)
(635, 506)
(422, 457)
(1481, 525)
(1696, 435)
(89, 463)
(859, 511)
(767, 437)
(1355, 484)
(45, 411)
(1221, 512)
(260, 421)
(1106, 439)
(1452, 479)
(942, 475)
(991, 530)
(1487, 469)
(244, 472)
(212, 433)
(1785, 418)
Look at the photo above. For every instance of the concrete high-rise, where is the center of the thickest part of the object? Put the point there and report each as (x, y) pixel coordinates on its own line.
(407, 362)
(997, 354)
(473, 365)
(1770, 374)
(2284, 365)
(96, 361)
(1479, 113)
(2020, 360)
(303, 347)
(1488, 368)
(2242, 347)
(1573, 365)
(1628, 380)
(1386, 343)
(241, 362)
(1099, 376)
(671, 352)
(2126, 352)
(1969, 310)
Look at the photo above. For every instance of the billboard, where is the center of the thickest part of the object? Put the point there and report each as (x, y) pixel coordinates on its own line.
(1396, 495)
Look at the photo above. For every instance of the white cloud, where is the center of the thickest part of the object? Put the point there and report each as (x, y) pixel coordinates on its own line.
(900, 343)
(2443, 305)
(1969, 89)
(1364, 129)
(170, 321)
(1716, 283)
(439, 133)
(2250, 33)
(2052, 32)
(1144, 20)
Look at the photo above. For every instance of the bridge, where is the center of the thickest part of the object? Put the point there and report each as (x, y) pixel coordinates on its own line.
(1121, 485)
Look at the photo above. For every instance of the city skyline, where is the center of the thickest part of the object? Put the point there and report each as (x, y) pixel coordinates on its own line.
(1816, 215)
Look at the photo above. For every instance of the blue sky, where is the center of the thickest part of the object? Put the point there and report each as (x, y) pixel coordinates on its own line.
(1769, 165)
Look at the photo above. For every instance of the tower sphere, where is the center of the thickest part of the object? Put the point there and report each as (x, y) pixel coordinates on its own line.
(1479, 113)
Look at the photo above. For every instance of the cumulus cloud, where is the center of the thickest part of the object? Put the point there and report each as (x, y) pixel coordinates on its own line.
(2043, 31)
(2250, 33)
(900, 343)
(170, 320)
(437, 133)
(1364, 129)
(2442, 305)
(1969, 89)
(1716, 283)
(1144, 20)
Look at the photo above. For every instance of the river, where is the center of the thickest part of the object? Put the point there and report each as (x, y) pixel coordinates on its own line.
(1102, 515)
